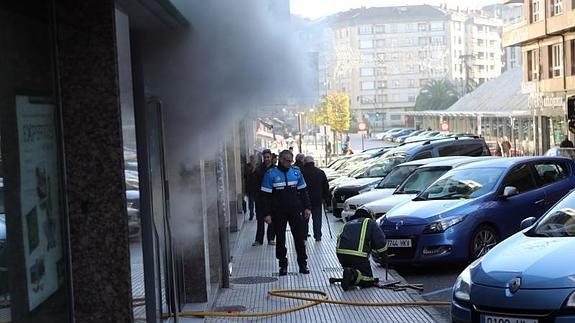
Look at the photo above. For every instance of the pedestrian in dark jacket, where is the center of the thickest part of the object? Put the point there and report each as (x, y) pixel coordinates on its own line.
(287, 201)
(566, 143)
(299, 161)
(260, 212)
(358, 238)
(318, 190)
(252, 188)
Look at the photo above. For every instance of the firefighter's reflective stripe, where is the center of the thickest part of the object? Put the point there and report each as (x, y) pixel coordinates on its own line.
(362, 235)
(351, 252)
(360, 244)
(382, 249)
(361, 278)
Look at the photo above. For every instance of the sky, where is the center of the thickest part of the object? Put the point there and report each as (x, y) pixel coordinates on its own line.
(317, 8)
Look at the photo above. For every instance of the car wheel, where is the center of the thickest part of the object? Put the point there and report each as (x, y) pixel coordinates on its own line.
(483, 239)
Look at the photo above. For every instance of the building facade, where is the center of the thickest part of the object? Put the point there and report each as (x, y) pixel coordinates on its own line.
(546, 34)
(382, 57)
(117, 203)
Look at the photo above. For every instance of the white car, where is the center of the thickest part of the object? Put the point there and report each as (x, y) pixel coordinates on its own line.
(388, 185)
(416, 182)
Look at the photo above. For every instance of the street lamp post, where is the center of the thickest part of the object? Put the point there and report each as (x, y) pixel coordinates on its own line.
(299, 131)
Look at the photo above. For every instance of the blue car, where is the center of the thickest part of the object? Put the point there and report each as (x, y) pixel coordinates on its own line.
(528, 278)
(470, 209)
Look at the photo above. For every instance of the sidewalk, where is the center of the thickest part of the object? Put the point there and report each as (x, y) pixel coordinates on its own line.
(254, 265)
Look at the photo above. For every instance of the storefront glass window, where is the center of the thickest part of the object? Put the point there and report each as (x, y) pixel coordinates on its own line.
(33, 258)
(556, 130)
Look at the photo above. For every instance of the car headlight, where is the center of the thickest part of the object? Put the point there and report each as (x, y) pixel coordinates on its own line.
(442, 225)
(462, 287)
(570, 301)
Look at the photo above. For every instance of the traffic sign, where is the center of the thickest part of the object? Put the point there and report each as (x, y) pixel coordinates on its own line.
(445, 126)
(362, 126)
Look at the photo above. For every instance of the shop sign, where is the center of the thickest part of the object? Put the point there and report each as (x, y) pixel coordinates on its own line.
(539, 100)
(39, 197)
(528, 87)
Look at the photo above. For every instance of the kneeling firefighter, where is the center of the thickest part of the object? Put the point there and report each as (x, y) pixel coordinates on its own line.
(358, 238)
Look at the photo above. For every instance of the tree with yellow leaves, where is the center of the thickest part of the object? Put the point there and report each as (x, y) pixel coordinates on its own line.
(334, 110)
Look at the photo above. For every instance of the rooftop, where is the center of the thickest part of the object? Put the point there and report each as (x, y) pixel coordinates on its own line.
(390, 14)
(500, 94)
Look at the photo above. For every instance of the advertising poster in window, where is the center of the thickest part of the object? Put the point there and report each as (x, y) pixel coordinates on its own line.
(39, 197)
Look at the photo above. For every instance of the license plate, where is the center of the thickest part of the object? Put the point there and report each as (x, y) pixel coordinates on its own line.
(399, 243)
(505, 319)
(339, 205)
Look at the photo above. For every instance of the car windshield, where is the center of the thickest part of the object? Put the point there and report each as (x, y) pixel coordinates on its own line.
(359, 170)
(351, 163)
(336, 163)
(559, 221)
(396, 176)
(383, 167)
(420, 180)
(462, 184)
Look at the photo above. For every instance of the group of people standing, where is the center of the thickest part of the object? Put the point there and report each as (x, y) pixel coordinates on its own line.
(285, 193)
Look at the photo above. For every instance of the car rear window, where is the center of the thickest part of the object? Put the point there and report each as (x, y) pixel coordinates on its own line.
(473, 149)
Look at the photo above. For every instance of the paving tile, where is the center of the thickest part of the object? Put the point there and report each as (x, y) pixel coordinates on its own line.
(260, 261)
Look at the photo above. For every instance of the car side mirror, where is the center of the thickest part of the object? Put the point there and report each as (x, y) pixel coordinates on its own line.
(526, 223)
(509, 191)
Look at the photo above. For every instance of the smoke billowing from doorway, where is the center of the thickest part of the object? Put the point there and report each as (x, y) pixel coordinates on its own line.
(237, 55)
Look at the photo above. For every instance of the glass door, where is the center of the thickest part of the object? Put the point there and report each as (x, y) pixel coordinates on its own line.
(160, 282)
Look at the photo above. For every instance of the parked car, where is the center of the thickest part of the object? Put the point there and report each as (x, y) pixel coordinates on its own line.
(418, 181)
(362, 182)
(401, 139)
(561, 152)
(408, 152)
(526, 278)
(391, 132)
(422, 136)
(464, 146)
(470, 209)
(391, 137)
(388, 185)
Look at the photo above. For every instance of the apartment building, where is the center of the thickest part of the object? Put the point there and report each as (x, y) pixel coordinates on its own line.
(382, 57)
(510, 14)
(546, 35)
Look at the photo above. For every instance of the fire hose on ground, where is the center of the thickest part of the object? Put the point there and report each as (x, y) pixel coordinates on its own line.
(324, 298)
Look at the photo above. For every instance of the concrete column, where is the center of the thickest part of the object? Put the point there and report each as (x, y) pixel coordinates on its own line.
(223, 214)
(239, 162)
(192, 230)
(213, 222)
(91, 114)
(231, 180)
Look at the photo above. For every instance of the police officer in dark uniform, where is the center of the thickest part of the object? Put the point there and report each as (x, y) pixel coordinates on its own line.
(287, 200)
(357, 239)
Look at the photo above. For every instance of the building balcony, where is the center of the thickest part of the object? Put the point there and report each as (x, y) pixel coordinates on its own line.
(521, 32)
(551, 85)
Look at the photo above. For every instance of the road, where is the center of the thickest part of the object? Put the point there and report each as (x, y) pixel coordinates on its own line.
(437, 281)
